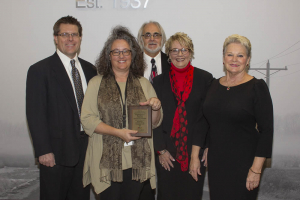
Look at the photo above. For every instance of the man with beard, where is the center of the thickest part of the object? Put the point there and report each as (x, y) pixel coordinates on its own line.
(152, 38)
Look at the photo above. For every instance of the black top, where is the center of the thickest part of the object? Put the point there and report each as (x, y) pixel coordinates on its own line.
(197, 125)
(165, 65)
(232, 116)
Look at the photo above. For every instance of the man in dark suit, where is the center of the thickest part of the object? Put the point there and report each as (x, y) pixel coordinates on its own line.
(152, 38)
(54, 93)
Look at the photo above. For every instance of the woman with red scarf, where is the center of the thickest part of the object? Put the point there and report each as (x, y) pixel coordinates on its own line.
(180, 139)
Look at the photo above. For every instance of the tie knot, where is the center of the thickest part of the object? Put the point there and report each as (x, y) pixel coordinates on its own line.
(152, 61)
(72, 63)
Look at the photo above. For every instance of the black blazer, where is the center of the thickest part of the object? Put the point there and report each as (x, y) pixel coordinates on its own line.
(197, 125)
(51, 110)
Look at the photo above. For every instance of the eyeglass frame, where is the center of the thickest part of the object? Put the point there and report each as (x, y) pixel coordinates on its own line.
(67, 35)
(152, 35)
(120, 52)
(179, 50)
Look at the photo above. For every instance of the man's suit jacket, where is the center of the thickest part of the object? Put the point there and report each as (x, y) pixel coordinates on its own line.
(165, 65)
(51, 110)
(197, 125)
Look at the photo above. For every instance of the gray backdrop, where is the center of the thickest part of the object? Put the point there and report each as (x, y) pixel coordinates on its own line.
(271, 25)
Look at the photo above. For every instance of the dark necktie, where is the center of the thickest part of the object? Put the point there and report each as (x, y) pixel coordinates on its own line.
(153, 71)
(77, 85)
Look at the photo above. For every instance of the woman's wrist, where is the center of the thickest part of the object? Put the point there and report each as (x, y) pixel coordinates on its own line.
(156, 115)
(118, 132)
(195, 152)
(257, 165)
(255, 172)
(161, 152)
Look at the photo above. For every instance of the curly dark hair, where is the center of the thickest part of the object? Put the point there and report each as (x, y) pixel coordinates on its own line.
(137, 66)
(67, 20)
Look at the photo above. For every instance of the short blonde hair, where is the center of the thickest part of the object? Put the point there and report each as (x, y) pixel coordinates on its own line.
(183, 39)
(235, 38)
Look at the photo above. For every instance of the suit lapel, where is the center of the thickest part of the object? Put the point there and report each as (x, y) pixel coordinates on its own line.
(64, 81)
(86, 71)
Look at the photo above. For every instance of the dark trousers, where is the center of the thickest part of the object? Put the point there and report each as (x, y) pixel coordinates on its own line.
(126, 190)
(147, 192)
(64, 183)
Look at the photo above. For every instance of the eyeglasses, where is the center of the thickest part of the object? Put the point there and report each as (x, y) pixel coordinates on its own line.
(176, 51)
(67, 35)
(116, 52)
(148, 35)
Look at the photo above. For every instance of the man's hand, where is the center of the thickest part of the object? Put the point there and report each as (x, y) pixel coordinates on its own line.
(47, 160)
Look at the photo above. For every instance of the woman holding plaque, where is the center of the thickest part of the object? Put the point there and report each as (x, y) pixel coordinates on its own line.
(117, 162)
(180, 139)
(238, 108)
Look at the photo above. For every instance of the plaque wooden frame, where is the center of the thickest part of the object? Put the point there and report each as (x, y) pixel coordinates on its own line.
(140, 119)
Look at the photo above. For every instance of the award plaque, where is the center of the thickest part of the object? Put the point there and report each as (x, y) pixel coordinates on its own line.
(139, 119)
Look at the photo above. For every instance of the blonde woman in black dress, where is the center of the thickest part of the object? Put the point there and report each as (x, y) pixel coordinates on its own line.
(239, 110)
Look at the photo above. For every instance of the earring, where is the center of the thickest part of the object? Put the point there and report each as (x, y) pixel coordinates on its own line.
(169, 60)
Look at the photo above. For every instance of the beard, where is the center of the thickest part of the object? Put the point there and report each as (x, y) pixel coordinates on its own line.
(154, 51)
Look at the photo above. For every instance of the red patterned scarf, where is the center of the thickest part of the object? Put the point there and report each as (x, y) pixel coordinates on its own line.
(179, 130)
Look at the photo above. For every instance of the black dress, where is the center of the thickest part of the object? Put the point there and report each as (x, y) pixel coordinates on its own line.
(234, 141)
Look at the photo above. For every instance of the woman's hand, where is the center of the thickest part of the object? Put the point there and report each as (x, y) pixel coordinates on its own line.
(195, 167)
(153, 102)
(252, 180)
(254, 173)
(128, 135)
(155, 105)
(125, 134)
(204, 157)
(166, 160)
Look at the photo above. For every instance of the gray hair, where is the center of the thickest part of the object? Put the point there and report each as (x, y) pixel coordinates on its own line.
(137, 66)
(163, 35)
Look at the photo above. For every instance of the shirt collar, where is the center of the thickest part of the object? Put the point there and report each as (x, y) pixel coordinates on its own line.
(157, 58)
(65, 59)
